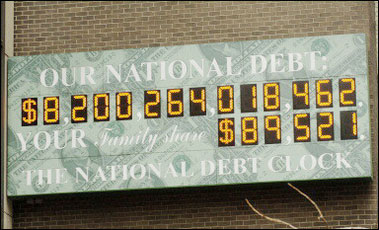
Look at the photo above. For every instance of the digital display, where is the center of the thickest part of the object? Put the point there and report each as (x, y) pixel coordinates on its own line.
(271, 95)
(152, 104)
(124, 106)
(325, 126)
(225, 104)
(272, 130)
(302, 127)
(101, 107)
(347, 92)
(249, 130)
(324, 93)
(249, 98)
(225, 99)
(175, 103)
(51, 110)
(29, 115)
(226, 135)
(79, 108)
(201, 114)
(349, 125)
(198, 101)
(300, 94)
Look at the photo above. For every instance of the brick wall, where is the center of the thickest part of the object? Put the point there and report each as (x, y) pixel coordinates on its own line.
(56, 27)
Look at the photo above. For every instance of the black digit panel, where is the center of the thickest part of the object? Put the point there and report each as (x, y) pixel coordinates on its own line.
(301, 127)
(78, 108)
(249, 130)
(174, 102)
(349, 125)
(324, 93)
(225, 99)
(124, 103)
(272, 129)
(101, 107)
(29, 113)
(226, 134)
(152, 103)
(50, 110)
(347, 92)
(325, 126)
(248, 98)
(198, 101)
(300, 94)
(271, 96)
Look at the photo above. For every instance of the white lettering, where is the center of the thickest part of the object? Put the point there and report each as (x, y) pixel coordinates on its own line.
(276, 63)
(82, 174)
(223, 167)
(54, 80)
(239, 166)
(148, 69)
(78, 139)
(341, 160)
(199, 69)
(37, 142)
(183, 69)
(254, 65)
(321, 160)
(303, 160)
(115, 74)
(84, 76)
(211, 165)
(23, 141)
(133, 73)
(294, 58)
(214, 68)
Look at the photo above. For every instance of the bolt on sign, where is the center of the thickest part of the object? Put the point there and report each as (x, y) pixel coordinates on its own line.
(195, 115)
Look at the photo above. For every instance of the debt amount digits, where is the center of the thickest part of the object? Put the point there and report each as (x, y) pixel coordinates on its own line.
(197, 101)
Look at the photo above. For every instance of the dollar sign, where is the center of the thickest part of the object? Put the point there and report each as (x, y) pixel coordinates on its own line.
(228, 133)
(31, 113)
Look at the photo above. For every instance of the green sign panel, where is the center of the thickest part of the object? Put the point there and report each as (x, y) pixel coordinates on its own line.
(194, 115)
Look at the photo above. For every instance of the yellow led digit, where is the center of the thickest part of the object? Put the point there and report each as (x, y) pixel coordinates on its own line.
(29, 111)
(51, 113)
(200, 100)
(101, 107)
(248, 96)
(249, 131)
(354, 118)
(174, 106)
(349, 125)
(79, 108)
(275, 128)
(254, 96)
(302, 131)
(271, 94)
(229, 107)
(123, 106)
(324, 91)
(325, 126)
(150, 105)
(226, 132)
(347, 92)
(300, 95)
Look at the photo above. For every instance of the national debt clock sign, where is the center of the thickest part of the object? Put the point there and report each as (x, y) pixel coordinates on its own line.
(194, 115)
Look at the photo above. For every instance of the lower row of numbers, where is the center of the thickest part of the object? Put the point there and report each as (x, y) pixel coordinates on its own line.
(301, 127)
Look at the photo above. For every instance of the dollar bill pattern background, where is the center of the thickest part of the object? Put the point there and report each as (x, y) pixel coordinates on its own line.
(346, 57)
